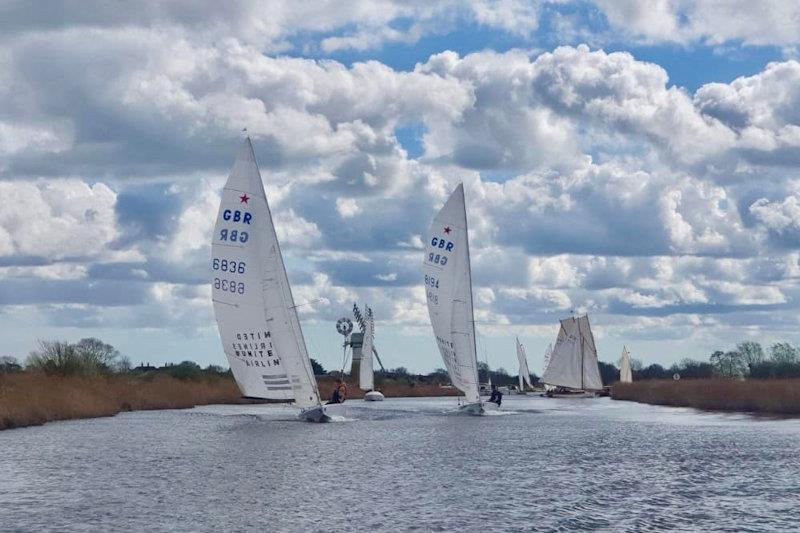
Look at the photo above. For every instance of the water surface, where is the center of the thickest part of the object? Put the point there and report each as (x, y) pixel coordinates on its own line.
(406, 464)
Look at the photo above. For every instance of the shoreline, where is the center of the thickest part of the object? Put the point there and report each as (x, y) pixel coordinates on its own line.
(32, 399)
(779, 397)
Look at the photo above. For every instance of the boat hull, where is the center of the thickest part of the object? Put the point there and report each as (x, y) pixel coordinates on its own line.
(571, 394)
(373, 396)
(317, 414)
(474, 409)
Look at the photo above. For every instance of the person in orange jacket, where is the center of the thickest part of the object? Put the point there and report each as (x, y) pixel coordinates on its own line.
(339, 392)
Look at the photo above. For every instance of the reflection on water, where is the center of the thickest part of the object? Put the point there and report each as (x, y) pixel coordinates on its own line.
(549, 465)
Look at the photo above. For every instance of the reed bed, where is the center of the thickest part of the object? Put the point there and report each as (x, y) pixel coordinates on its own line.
(28, 398)
(389, 388)
(32, 398)
(768, 396)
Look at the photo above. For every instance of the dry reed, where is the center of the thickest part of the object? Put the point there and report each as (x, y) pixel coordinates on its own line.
(28, 398)
(389, 388)
(769, 396)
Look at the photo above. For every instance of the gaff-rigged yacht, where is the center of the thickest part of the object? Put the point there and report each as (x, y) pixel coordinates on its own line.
(572, 368)
(625, 374)
(253, 303)
(448, 288)
(524, 372)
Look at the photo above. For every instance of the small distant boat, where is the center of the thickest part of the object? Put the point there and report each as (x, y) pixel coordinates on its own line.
(524, 372)
(253, 303)
(366, 374)
(573, 370)
(625, 373)
(448, 289)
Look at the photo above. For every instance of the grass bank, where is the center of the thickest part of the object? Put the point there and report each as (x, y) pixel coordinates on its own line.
(32, 398)
(29, 398)
(769, 396)
(389, 388)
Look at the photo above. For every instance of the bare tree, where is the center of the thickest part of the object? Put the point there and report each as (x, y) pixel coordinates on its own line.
(783, 352)
(728, 364)
(55, 357)
(96, 354)
(752, 353)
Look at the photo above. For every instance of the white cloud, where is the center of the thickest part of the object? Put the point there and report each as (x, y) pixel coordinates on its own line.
(765, 22)
(591, 182)
(56, 219)
(347, 207)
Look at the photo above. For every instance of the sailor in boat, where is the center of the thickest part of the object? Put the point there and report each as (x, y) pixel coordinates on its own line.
(339, 392)
(497, 396)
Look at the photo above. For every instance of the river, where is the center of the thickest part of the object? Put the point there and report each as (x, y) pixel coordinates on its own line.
(406, 464)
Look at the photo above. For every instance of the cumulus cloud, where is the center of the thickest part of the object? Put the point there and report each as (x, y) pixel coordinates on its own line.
(592, 182)
(709, 21)
(56, 219)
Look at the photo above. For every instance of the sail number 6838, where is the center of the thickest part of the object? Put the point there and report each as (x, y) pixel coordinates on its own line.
(228, 285)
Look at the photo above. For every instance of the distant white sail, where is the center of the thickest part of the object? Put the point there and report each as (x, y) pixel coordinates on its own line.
(573, 362)
(524, 372)
(448, 286)
(253, 303)
(625, 374)
(366, 380)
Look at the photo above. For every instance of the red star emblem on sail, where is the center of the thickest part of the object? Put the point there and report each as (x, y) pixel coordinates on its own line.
(243, 198)
(447, 229)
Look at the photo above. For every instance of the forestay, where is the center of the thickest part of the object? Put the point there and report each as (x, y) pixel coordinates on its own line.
(573, 362)
(448, 288)
(524, 372)
(253, 303)
(366, 373)
(625, 374)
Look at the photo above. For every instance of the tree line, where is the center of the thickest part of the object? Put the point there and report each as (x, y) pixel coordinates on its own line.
(93, 357)
(747, 359)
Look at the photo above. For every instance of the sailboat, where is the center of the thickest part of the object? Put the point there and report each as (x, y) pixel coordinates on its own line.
(448, 289)
(547, 353)
(573, 367)
(366, 374)
(253, 303)
(625, 374)
(524, 372)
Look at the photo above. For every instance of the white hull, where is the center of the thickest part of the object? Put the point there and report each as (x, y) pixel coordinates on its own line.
(373, 396)
(474, 409)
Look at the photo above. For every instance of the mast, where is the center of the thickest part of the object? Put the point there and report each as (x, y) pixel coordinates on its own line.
(580, 336)
(299, 339)
(471, 298)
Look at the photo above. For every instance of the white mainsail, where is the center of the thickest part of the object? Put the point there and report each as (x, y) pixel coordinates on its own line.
(524, 372)
(547, 353)
(625, 374)
(573, 362)
(448, 287)
(366, 380)
(253, 303)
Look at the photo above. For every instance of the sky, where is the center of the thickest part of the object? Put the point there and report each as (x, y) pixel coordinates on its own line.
(635, 161)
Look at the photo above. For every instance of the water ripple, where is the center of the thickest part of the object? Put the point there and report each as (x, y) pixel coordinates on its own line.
(549, 465)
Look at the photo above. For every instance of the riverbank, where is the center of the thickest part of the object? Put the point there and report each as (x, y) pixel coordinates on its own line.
(773, 396)
(389, 388)
(30, 399)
